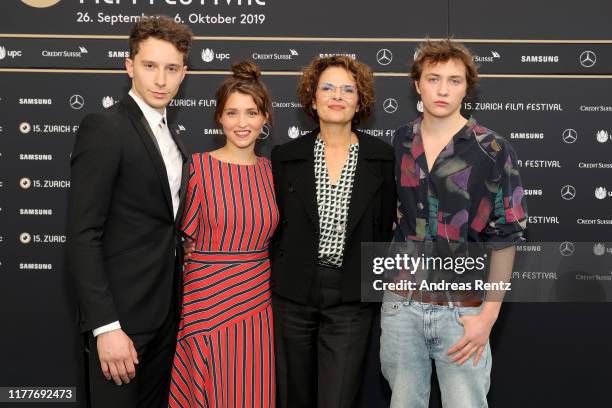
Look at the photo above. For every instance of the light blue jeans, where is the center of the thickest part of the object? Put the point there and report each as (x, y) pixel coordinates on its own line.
(414, 334)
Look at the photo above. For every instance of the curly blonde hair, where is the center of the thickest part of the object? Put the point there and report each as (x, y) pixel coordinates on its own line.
(362, 74)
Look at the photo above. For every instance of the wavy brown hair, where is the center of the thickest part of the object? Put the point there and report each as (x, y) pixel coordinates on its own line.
(433, 52)
(244, 79)
(163, 28)
(362, 74)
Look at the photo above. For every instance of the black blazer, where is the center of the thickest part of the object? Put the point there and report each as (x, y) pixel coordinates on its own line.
(122, 236)
(294, 247)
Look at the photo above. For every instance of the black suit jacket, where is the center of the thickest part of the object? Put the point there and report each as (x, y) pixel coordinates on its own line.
(294, 247)
(122, 235)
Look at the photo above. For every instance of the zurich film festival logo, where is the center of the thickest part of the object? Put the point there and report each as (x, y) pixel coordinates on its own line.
(602, 136)
(25, 128)
(25, 238)
(602, 192)
(40, 3)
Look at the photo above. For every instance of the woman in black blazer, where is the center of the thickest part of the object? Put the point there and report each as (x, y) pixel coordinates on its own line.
(335, 190)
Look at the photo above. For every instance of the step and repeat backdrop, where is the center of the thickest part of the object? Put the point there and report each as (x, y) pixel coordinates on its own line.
(546, 83)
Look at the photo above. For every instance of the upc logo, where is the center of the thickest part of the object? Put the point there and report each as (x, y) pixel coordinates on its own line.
(208, 55)
(293, 132)
(108, 101)
(602, 136)
(601, 193)
(599, 249)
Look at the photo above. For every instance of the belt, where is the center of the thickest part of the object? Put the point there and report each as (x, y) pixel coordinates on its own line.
(441, 298)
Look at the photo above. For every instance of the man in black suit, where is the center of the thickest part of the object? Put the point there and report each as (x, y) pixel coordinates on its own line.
(128, 173)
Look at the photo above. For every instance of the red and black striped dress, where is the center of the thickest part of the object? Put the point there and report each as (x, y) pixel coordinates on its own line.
(225, 350)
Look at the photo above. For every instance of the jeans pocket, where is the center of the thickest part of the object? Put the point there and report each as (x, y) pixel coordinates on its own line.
(390, 308)
(465, 311)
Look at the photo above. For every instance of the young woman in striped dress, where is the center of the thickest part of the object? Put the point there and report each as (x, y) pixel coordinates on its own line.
(225, 355)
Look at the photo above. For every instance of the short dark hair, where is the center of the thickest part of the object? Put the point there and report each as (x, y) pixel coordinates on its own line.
(245, 79)
(433, 52)
(162, 28)
(364, 78)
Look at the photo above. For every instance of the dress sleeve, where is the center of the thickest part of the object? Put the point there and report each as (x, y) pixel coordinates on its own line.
(191, 216)
(508, 221)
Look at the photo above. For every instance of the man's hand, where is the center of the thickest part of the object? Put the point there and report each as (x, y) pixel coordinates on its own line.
(117, 356)
(188, 248)
(477, 330)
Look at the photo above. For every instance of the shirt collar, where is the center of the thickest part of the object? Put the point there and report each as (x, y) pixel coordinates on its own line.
(152, 116)
(465, 133)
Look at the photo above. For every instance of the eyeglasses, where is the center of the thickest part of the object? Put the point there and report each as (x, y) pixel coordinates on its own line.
(346, 91)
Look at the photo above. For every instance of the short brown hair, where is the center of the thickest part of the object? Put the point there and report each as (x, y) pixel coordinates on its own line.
(364, 78)
(433, 52)
(162, 28)
(245, 79)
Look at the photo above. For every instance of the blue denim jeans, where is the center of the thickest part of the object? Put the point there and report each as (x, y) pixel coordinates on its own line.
(414, 334)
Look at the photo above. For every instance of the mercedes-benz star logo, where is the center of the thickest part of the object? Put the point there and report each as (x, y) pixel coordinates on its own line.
(566, 248)
(390, 105)
(265, 132)
(384, 56)
(570, 136)
(77, 102)
(588, 59)
(568, 192)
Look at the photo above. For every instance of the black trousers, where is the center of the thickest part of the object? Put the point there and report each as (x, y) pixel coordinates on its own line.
(320, 346)
(150, 386)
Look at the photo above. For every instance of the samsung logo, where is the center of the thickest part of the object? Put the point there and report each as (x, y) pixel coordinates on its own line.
(526, 136)
(327, 55)
(118, 54)
(35, 101)
(35, 157)
(35, 211)
(539, 58)
(213, 131)
(35, 266)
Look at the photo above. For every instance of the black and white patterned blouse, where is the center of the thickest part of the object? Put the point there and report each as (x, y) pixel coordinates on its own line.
(333, 203)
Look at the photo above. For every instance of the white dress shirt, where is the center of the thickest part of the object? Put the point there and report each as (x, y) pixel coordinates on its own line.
(173, 162)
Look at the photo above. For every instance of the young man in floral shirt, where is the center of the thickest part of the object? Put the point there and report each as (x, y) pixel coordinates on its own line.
(457, 183)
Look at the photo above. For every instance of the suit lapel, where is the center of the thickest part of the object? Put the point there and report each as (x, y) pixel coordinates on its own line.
(150, 143)
(367, 182)
(174, 131)
(304, 186)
